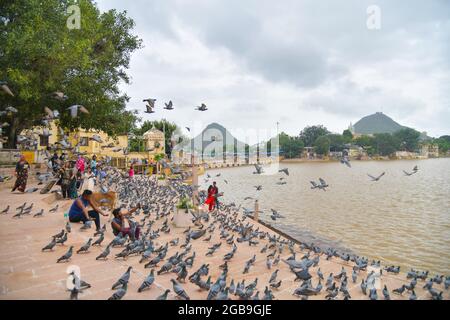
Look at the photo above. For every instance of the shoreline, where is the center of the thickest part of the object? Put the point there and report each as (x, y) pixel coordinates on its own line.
(23, 275)
(303, 160)
(309, 236)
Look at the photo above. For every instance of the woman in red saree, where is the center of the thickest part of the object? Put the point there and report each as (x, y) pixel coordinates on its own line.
(22, 174)
(212, 194)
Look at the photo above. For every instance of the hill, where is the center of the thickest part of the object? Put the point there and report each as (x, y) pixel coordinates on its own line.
(376, 123)
(213, 135)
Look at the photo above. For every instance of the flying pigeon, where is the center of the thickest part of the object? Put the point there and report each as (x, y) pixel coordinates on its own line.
(150, 105)
(75, 108)
(96, 138)
(5, 88)
(346, 161)
(202, 107)
(376, 178)
(169, 106)
(60, 96)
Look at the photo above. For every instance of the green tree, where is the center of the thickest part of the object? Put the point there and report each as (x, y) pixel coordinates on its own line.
(39, 55)
(443, 143)
(386, 144)
(322, 145)
(337, 142)
(310, 134)
(347, 135)
(408, 138)
(367, 143)
(290, 147)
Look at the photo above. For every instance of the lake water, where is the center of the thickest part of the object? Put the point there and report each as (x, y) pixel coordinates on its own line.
(401, 220)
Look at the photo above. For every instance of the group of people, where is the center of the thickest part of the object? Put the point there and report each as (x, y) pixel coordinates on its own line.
(81, 175)
(79, 212)
(77, 176)
(73, 176)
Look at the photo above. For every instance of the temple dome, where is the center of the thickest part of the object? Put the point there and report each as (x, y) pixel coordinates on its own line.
(154, 134)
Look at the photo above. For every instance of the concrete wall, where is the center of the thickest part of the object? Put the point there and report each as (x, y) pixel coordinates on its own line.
(7, 156)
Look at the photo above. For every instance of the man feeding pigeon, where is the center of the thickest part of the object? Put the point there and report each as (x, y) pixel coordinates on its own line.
(79, 212)
(121, 223)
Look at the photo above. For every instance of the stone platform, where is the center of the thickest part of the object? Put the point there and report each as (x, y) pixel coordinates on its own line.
(28, 273)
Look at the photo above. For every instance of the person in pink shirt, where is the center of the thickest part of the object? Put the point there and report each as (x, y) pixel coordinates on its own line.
(80, 165)
(131, 172)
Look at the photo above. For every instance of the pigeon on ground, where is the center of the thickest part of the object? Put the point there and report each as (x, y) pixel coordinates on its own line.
(148, 281)
(85, 247)
(50, 246)
(105, 253)
(66, 257)
(123, 279)
(119, 294)
(163, 296)
(178, 289)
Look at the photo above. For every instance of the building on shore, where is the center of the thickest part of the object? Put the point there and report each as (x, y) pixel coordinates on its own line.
(93, 142)
(429, 150)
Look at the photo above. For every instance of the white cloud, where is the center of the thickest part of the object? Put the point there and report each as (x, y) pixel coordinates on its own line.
(298, 62)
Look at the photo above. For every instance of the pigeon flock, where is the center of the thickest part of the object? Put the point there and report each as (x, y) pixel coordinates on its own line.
(222, 255)
(150, 106)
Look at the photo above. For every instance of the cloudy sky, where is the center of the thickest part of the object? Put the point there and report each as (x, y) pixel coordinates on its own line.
(302, 62)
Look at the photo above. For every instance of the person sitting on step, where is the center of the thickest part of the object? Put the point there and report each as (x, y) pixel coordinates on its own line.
(121, 223)
(79, 212)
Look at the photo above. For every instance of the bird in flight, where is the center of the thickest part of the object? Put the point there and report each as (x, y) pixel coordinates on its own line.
(150, 105)
(346, 161)
(321, 185)
(169, 106)
(259, 169)
(414, 170)
(60, 96)
(75, 108)
(376, 178)
(51, 114)
(285, 170)
(5, 88)
(202, 107)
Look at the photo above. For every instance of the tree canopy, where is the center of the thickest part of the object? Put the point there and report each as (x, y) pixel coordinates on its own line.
(322, 145)
(443, 143)
(310, 134)
(291, 147)
(386, 144)
(40, 55)
(408, 139)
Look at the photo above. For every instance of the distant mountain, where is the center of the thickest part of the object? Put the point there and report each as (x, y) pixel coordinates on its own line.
(376, 123)
(213, 135)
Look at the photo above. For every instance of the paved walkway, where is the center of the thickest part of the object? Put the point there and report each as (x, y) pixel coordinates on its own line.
(28, 273)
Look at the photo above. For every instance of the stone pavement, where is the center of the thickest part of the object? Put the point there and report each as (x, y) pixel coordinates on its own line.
(28, 273)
